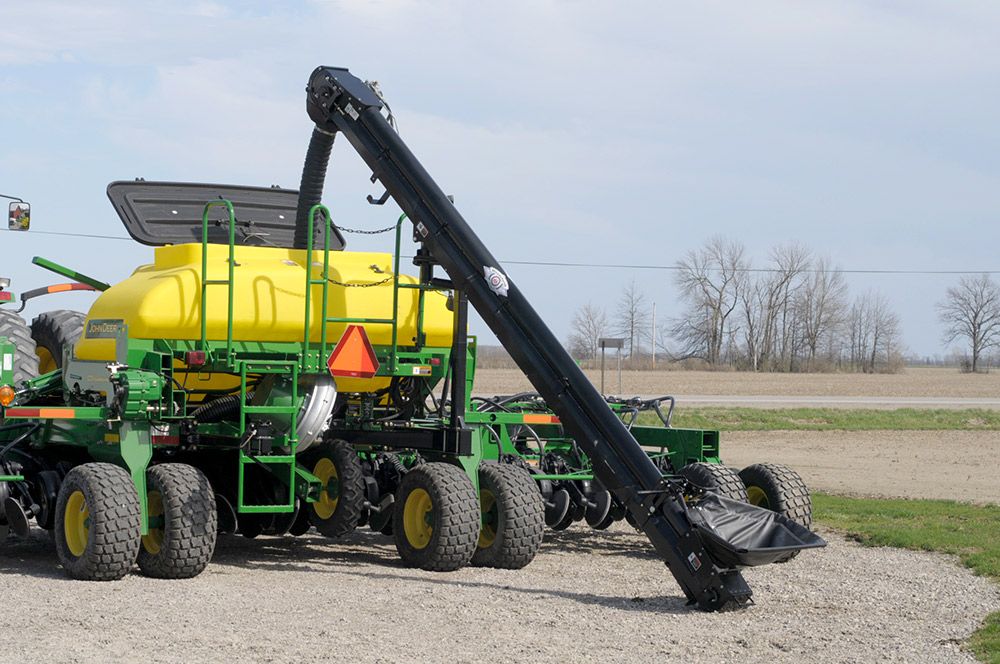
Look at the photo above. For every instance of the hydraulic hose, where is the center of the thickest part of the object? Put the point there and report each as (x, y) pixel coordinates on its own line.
(311, 187)
(217, 410)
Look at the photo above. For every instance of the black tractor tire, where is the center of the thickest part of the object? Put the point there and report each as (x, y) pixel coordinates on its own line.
(436, 518)
(98, 539)
(512, 517)
(780, 489)
(723, 480)
(53, 331)
(16, 330)
(336, 462)
(183, 546)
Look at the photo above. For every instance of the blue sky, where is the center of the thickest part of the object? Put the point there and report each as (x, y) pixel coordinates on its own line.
(614, 132)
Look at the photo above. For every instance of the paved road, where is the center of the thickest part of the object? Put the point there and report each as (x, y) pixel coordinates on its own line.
(763, 401)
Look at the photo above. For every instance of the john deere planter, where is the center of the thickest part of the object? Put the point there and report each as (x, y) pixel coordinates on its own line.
(257, 378)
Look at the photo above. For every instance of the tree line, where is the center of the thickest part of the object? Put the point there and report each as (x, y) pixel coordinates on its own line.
(794, 313)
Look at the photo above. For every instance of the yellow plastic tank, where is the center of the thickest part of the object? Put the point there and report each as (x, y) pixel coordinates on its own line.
(163, 300)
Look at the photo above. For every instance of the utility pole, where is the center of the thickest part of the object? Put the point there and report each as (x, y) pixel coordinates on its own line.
(652, 336)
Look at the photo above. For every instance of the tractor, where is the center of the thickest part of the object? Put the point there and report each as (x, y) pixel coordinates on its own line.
(256, 378)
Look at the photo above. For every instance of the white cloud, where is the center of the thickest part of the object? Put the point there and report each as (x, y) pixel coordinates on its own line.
(580, 126)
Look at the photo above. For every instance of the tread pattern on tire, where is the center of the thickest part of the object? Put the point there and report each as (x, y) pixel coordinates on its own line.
(716, 477)
(54, 330)
(14, 328)
(190, 523)
(351, 480)
(456, 521)
(113, 542)
(787, 492)
(521, 517)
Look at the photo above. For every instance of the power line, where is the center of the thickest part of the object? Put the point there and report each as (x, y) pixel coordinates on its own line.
(100, 237)
(619, 266)
(676, 268)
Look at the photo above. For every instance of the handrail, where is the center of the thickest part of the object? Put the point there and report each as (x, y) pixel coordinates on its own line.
(392, 321)
(315, 211)
(206, 282)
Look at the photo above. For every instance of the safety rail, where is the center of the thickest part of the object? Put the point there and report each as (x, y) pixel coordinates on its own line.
(324, 281)
(206, 282)
(312, 357)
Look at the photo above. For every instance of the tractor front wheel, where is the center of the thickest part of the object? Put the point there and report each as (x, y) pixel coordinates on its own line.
(183, 522)
(342, 499)
(436, 518)
(97, 522)
(780, 489)
(512, 517)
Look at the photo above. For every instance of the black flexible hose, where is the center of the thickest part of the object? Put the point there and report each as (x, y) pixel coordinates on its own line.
(24, 436)
(311, 187)
(223, 408)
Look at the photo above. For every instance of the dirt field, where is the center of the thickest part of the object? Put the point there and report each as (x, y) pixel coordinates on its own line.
(588, 597)
(957, 465)
(918, 383)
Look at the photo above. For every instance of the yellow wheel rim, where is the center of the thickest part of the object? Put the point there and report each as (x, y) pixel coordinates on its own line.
(153, 541)
(488, 530)
(76, 523)
(46, 362)
(418, 518)
(326, 472)
(757, 496)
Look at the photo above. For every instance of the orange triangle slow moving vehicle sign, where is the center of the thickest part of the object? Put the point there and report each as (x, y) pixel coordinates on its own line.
(354, 355)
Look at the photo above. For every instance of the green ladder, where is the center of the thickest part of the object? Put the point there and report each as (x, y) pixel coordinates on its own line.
(282, 466)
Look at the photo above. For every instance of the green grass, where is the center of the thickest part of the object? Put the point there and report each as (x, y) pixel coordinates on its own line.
(828, 419)
(971, 532)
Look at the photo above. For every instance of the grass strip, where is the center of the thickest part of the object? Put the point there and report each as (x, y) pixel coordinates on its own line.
(829, 419)
(971, 532)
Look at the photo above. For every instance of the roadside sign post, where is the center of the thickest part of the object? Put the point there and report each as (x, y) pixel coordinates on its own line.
(609, 342)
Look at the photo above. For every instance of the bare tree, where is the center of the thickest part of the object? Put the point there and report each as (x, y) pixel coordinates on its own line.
(822, 307)
(753, 302)
(874, 333)
(770, 321)
(778, 317)
(971, 312)
(710, 280)
(632, 317)
(589, 324)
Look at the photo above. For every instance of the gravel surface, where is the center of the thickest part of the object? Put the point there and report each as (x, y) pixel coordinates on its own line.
(587, 597)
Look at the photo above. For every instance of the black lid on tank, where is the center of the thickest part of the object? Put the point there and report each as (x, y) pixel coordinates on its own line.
(161, 213)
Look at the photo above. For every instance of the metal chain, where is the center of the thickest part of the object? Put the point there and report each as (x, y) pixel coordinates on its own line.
(365, 232)
(374, 283)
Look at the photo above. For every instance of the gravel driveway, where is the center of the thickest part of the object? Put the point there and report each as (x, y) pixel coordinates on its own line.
(588, 596)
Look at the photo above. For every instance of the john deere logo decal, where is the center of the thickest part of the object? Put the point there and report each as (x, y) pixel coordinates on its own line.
(104, 329)
(497, 280)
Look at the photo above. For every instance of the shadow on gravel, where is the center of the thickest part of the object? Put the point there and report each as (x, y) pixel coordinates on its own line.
(35, 556)
(296, 553)
(604, 543)
(364, 550)
(658, 605)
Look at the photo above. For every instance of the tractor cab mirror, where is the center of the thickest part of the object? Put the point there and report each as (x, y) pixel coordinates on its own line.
(19, 216)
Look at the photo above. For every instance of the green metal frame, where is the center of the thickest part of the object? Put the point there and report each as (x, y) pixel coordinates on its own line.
(127, 437)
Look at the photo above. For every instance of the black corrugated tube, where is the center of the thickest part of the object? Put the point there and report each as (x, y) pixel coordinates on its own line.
(217, 410)
(311, 187)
